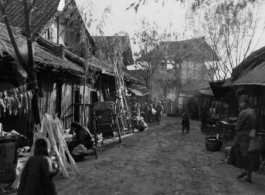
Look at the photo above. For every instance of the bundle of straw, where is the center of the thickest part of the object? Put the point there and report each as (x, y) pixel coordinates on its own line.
(53, 128)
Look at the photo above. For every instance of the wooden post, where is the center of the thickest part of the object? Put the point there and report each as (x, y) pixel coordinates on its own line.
(58, 30)
(219, 123)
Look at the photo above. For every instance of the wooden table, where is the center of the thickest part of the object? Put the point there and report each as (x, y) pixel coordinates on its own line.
(226, 128)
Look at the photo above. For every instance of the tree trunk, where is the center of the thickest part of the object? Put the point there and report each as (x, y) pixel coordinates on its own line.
(32, 79)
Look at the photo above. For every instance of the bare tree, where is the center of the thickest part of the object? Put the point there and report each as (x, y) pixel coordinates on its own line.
(151, 56)
(229, 30)
(195, 4)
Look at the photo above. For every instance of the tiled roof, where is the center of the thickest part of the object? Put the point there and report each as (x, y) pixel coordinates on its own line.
(44, 58)
(43, 14)
(198, 85)
(196, 49)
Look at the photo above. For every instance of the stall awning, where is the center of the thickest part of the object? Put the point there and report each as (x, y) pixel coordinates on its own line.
(207, 92)
(219, 91)
(137, 89)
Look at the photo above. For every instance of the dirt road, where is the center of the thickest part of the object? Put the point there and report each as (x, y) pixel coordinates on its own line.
(160, 160)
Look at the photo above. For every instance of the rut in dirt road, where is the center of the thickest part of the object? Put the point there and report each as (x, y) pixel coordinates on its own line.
(161, 160)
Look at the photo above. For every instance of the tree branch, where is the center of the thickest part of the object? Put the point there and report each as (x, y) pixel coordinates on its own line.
(12, 39)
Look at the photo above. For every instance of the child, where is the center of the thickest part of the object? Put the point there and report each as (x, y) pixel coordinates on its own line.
(159, 110)
(38, 172)
(185, 122)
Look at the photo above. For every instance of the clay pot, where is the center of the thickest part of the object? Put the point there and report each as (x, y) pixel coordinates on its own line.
(213, 145)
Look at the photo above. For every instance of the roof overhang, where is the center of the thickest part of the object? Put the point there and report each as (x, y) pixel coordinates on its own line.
(137, 90)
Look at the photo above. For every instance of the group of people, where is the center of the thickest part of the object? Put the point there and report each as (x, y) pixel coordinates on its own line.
(151, 113)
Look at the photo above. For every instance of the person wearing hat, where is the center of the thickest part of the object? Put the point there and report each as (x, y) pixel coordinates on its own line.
(240, 157)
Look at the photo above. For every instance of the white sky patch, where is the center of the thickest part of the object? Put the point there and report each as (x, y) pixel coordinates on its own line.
(61, 5)
(171, 16)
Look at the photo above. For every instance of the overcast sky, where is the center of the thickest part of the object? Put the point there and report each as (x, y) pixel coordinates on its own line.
(171, 17)
(127, 20)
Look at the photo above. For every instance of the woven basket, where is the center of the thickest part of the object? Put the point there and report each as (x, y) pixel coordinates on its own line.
(8, 161)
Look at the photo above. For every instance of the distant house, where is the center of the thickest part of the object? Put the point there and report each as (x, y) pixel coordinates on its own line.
(182, 63)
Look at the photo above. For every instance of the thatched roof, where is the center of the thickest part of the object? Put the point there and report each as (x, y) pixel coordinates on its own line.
(196, 49)
(43, 14)
(44, 58)
(253, 76)
(106, 46)
(255, 59)
(198, 85)
(95, 65)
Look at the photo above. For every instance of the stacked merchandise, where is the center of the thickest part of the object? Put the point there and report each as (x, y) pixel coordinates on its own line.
(52, 129)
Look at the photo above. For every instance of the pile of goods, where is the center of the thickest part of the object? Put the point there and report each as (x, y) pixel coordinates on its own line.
(80, 150)
(11, 135)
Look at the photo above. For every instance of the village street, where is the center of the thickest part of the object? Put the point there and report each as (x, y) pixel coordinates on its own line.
(160, 160)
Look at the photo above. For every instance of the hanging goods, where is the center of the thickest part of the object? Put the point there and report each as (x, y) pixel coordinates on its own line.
(15, 102)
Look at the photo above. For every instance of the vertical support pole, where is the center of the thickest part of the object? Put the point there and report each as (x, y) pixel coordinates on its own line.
(219, 119)
(58, 30)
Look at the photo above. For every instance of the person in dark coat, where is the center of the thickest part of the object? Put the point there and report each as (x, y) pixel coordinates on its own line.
(82, 136)
(239, 155)
(203, 117)
(38, 172)
(159, 109)
(144, 110)
(150, 114)
(185, 122)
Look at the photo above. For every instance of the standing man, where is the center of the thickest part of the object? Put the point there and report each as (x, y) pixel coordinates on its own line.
(159, 110)
(154, 103)
(203, 117)
(163, 101)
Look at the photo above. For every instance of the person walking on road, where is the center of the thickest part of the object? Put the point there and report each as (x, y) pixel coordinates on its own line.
(185, 122)
(240, 157)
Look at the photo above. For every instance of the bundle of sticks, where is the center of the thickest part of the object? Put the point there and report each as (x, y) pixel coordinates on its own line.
(52, 129)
